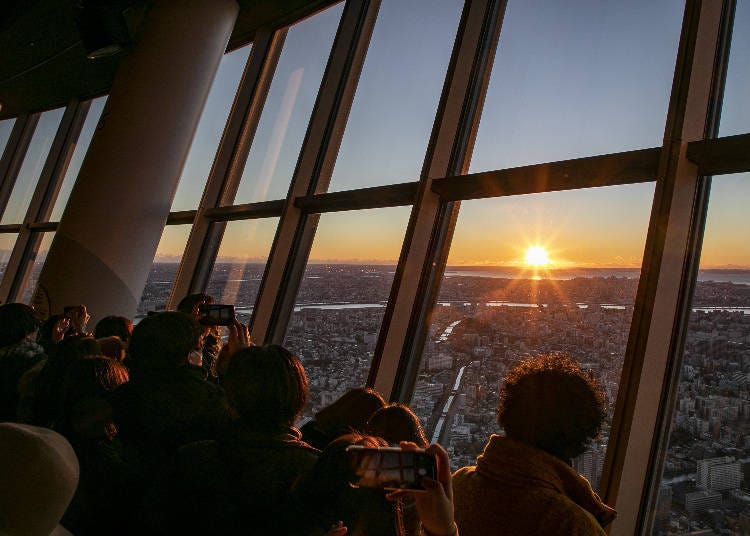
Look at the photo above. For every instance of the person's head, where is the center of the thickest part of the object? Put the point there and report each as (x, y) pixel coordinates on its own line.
(322, 491)
(112, 347)
(79, 317)
(396, 423)
(266, 387)
(114, 326)
(549, 402)
(350, 412)
(163, 341)
(40, 474)
(75, 347)
(190, 303)
(17, 322)
(84, 394)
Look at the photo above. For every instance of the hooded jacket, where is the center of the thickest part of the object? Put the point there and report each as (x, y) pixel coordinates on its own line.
(518, 489)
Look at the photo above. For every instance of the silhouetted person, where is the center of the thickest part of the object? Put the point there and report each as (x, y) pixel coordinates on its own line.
(396, 423)
(211, 345)
(106, 481)
(166, 403)
(40, 386)
(346, 415)
(19, 352)
(114, 326)
(240, 483)
(325, 495)
(523, 483)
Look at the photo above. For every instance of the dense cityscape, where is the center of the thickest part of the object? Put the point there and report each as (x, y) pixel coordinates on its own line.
(483, 325)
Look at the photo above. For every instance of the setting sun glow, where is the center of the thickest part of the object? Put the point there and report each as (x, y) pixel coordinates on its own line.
(536, 256)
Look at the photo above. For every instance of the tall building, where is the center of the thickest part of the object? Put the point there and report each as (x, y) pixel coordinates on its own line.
(338, 169)
(719, 474)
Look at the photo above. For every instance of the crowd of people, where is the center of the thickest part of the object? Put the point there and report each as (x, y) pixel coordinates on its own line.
(165, 428)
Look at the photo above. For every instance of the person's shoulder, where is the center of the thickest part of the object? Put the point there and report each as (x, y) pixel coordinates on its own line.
(570, 518)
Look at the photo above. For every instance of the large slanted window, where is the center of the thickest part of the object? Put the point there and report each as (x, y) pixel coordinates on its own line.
(529, 275)
(342, 297)
(709, 442)
(240, 264)
(162, 275)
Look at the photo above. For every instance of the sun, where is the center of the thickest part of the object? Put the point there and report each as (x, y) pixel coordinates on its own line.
(536, 256)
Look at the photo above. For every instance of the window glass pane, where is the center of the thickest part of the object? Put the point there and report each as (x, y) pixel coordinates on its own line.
(735, 113)
(398, 93)
(32, 165)
(36, 268)
(240, 264)
(705, 472)
(164, 270)
(570, 80)
(6, 127)
(209, 131)
(84, 140)
(501, 301)
(291, 97)
(341, 300)
(7, 241)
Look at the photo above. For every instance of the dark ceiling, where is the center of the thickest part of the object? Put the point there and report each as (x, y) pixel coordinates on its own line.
(44, 63)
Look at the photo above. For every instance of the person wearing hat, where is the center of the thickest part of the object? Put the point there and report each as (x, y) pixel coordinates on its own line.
(39, 472)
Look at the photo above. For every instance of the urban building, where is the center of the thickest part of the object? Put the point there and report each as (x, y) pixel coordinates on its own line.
(414, 196)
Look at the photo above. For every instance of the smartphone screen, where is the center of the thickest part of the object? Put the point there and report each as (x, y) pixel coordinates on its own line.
(390, 467)
(216, 314)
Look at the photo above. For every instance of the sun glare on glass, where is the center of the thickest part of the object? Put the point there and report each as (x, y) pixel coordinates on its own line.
(536, 256)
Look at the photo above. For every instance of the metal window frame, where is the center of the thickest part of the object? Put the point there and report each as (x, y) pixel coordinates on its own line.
(42, 201)
(296, 230)
(670, 258)
(670, 254)
(205, 236)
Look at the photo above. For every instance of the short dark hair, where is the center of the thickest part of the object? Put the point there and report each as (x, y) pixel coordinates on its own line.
(266, 386)
(396, 423)
(350, 411)
(551, 403)
(114, 326)
(163, 341)
(16, 321)
(188, 303)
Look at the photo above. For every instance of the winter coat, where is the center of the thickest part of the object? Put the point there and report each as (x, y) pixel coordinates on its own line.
(518, 489)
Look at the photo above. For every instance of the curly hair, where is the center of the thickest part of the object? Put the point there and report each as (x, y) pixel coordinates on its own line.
(551, 403)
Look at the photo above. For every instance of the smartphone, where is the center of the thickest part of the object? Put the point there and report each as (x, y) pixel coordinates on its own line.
(390, 467)
(216, 314)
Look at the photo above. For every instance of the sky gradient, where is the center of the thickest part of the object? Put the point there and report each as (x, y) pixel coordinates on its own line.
(570, 79)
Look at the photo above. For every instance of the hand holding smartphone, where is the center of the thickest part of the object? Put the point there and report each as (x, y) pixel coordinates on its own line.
(216, 314)
(391, 468)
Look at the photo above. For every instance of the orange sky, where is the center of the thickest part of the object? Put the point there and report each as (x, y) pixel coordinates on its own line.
(602, 227)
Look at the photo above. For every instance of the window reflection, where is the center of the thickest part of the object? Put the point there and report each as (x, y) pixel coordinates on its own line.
(84, 140)
(7, 241)
(502, 301)
(240, 264)
(6, 127)
(291, 97)
(164, 270)
(36, 267)
(32, 166)
(209, 130)
(341, 301)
